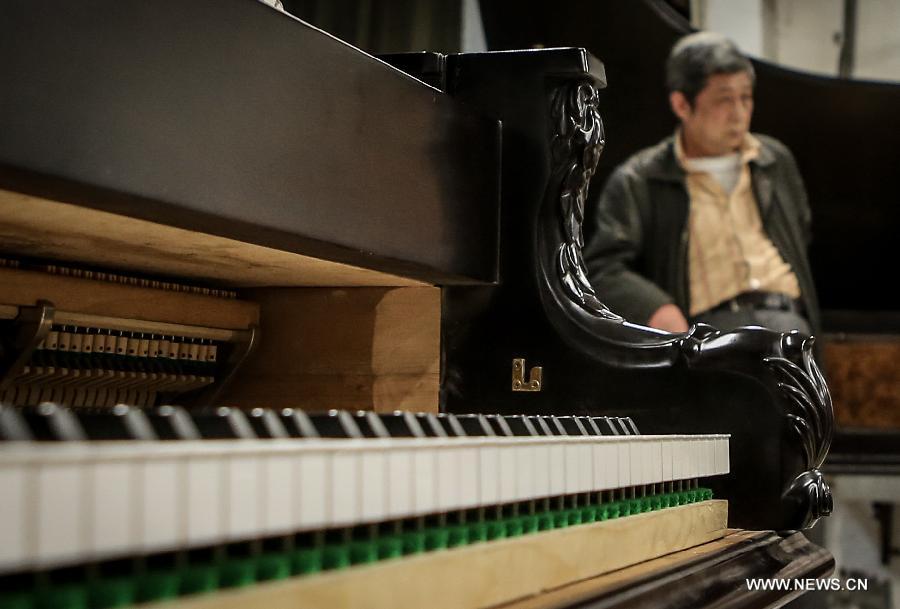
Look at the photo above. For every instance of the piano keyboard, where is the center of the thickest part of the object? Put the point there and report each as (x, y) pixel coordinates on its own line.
(318, 491)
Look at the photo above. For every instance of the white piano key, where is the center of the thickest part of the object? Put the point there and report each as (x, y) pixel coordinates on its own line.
(14, 515)
(115, 493)
(557, 467)
(507, 471)
(374, 485)
(610, 465)
(525, 464)
(163, 500)
(666, 449)
(469, 475)
(425, 476)
(571, 472)
(489, 468)
(723, 460)
(400, 478)
(206, 500)
(278, 505)
(448, 475)
(345, 488)
(61, 512)
(242, 476)
(585, 467)
(623, 457)
(652, 455)
(542, 473)
(161, 496)
(636, 461)
(312, 489)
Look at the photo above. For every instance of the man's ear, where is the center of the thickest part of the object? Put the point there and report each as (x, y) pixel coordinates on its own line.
(680, 105)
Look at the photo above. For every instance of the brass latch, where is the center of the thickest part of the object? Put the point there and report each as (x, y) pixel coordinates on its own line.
(518, 376)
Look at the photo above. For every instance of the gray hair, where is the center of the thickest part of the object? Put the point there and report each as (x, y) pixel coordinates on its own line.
(698, 56)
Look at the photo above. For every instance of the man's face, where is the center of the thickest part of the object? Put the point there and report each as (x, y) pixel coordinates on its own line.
(720, 116)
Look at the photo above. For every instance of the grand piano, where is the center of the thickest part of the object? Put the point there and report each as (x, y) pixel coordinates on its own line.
(285, 324)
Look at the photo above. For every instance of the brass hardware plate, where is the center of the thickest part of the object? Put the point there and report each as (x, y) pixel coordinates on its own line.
(535, 377)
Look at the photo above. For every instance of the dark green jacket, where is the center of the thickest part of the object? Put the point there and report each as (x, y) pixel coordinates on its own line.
(637, 256)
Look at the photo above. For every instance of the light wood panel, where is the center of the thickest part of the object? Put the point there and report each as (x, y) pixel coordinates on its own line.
(356, 348)
(25, 288)
(40, 228)
(483, 575)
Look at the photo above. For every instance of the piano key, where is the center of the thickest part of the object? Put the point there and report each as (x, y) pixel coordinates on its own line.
(451, 425)
(49, 422)
(335, 424)
(475, 425)
(297, 423)
(222, 423)
(540, 425)
(371, 425)
(430, 425)
(183, 494)
(555, 426)
(172, 423)
(572, 426)
(590, 426)
(521, 426)
(120, 422)
(499, 425)
(266, 424)
(14, 506)
(13, 427)
(606, 426)
(400, 424)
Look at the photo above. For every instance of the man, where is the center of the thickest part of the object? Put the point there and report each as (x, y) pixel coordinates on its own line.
(711, 224)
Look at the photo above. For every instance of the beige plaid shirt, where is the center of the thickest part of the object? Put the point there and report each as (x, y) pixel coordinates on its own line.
(729, 251)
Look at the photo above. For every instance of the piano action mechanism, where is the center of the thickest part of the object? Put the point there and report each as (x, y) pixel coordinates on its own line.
(259, 326)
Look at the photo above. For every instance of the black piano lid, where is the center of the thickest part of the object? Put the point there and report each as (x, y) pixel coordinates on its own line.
(230, 118)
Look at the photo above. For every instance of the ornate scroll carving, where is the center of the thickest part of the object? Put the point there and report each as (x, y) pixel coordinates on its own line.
(811, 417)
(577, 145)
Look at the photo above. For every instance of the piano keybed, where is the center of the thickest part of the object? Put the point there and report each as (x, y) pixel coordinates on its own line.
(235, 498)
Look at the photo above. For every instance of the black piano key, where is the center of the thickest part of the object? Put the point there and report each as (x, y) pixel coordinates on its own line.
(475, 425)
(120, 422)
(266, 424)
(590, 426)
(451, 425)
(572, 426)
(606, 426)
(630, 424)
(555, 426)
(521, 425)
(540, 425)
(401, 424)
(49, 422)
(430, 425)
(499, 425)
(370, 424)
(172, 423)
(335, 424)
(297, 423)
(222, 423)
(13, 427)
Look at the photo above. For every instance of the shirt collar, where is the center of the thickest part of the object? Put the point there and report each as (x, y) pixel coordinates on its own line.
(749, 149)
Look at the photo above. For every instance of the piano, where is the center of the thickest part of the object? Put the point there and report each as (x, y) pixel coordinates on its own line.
(285, 324)
(850, 189)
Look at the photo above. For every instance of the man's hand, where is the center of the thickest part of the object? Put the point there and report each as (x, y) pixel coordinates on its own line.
(669, 318)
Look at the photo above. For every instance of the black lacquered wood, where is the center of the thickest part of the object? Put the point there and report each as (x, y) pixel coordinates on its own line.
(230, 118)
